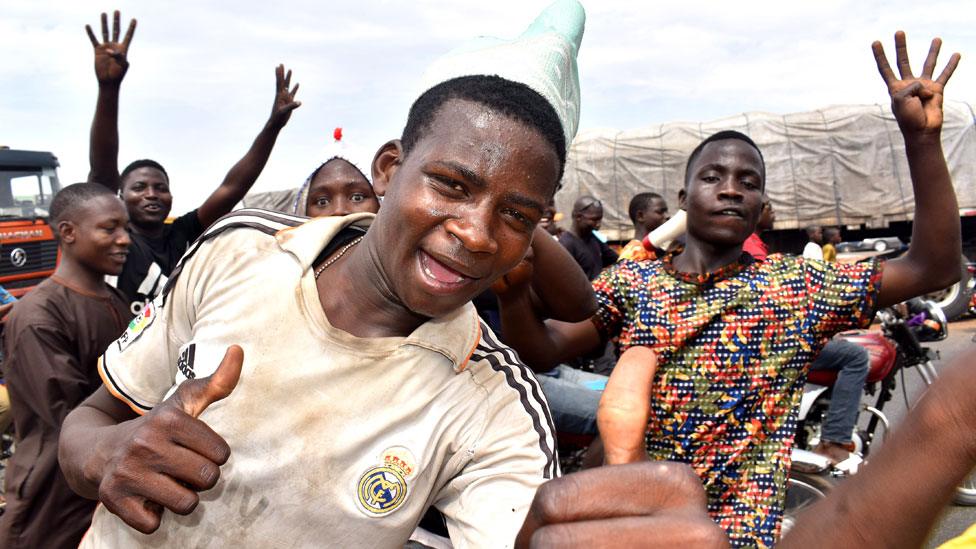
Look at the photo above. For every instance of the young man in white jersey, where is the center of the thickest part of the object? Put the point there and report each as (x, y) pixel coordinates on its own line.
(368, 388)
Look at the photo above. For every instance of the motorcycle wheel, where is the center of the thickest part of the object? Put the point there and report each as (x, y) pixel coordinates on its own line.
(954, 300)
(966, 492)
(802, 491)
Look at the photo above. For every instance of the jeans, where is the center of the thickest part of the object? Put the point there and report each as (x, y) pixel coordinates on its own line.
(852, 362)
(572, 403)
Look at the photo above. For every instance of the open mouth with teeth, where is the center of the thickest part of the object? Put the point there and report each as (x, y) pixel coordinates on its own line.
(731, 213)
(439, 275)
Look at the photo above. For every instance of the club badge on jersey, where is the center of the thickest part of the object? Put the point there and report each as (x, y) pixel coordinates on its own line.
(383, 488)
(136, 326)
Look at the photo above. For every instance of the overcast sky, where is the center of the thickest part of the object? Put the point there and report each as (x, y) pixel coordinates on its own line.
(201, 79)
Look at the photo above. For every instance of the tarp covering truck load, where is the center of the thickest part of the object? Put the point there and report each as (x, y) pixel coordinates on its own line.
(842, 165)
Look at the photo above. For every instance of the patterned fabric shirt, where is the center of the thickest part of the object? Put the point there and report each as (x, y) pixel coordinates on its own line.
(635, 251)
(734, 347)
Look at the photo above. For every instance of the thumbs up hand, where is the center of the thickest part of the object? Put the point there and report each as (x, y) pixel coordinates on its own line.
(161, 460)
(630, 502)
(625, 407)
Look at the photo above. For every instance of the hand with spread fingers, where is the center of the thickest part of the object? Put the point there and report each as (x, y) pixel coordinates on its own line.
(111, 61)
(161, 460)
(915, 101)
(284, 98)
(630, 502)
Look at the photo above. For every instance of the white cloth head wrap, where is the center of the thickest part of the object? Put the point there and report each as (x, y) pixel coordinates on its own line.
(543, 58)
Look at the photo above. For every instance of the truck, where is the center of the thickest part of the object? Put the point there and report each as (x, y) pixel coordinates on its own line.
(28, 248)
(841, 166)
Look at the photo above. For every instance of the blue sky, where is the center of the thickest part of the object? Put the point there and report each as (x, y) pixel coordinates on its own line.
(201, 79)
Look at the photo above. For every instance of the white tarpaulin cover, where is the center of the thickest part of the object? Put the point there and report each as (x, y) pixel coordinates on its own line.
(842, 165)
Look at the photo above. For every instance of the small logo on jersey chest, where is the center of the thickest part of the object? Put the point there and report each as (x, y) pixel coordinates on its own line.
(383, 488)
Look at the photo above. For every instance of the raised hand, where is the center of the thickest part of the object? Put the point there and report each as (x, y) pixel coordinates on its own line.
(111, 62)
(284, 99)
(164, 458)
(915, 101)
(631, 502)
(625, 407)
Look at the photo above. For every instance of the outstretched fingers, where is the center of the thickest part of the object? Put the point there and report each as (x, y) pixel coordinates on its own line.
(928, 69)
(104, 27)
(901, 56)
(128, 34)
(949, 69)
(91, 35)
(279, 77)
(116, 25)
(294, 90)
(881, 59)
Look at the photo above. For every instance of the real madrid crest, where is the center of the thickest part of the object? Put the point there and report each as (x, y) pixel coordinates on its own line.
(383, 488)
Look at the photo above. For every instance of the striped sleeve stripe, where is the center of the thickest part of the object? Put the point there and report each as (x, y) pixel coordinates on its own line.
(518, 376)
(529, 377)
(116, 390)
(266, 221)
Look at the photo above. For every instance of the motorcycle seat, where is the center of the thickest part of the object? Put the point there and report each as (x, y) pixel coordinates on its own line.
(882, 356)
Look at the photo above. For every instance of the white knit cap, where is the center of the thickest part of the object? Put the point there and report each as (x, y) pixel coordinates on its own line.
(543, 58)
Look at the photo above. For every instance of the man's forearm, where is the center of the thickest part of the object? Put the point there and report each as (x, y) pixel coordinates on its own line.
(558, 280)
(103, 152)
(894, 500)
(82, 448)
(936, 239)
(242, 176)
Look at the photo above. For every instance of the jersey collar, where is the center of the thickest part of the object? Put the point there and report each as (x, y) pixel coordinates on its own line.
(454, 335)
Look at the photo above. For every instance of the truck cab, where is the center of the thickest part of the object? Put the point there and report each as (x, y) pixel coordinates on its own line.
(28, 249)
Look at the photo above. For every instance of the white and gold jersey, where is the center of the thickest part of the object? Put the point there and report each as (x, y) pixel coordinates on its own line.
(335, 440)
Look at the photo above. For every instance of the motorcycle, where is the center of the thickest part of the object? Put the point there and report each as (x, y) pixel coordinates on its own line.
(894, 350)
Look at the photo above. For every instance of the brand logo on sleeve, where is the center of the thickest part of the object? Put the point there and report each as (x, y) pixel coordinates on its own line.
(137, 326)
(185, 363)
(383, 488)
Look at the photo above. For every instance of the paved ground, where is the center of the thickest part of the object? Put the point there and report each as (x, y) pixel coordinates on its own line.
(955, 519)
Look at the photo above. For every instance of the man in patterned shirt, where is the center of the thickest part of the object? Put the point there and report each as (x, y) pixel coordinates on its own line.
(735, 336)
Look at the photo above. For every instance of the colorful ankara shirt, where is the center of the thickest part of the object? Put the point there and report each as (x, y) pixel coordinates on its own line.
(734, 347)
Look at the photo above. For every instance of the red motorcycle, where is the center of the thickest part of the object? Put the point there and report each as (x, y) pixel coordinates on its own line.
(896, 349)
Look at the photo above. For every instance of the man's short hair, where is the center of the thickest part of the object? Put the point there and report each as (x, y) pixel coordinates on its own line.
(69, 200)
(513, 99)
(639, 203)
(143, 163)
(830, 231)
(585, 202)
(720, 136)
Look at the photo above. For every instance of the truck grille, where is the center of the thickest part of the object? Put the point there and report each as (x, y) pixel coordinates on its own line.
(41, 256)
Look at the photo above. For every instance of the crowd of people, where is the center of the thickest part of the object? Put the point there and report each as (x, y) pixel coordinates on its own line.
(416, 340)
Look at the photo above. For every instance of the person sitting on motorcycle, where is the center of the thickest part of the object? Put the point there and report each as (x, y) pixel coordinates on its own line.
(851, 362)
(734, 336)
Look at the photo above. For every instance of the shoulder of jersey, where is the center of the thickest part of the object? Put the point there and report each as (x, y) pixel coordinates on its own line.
(249, 224)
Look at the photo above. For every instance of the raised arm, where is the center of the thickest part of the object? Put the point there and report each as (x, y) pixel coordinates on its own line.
(932, 261)
(563, 291)
(242, 176)
(111, 64)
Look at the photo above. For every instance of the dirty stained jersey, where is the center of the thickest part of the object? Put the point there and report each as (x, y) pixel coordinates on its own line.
(335, 439)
